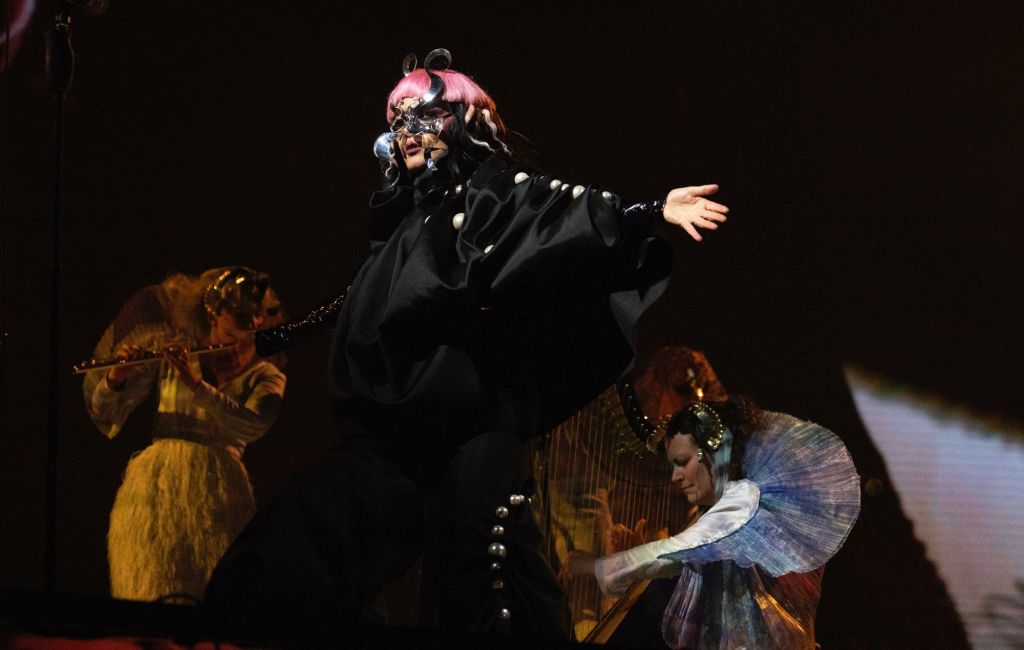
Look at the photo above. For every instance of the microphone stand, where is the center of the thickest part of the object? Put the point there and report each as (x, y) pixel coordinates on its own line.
(60, 65)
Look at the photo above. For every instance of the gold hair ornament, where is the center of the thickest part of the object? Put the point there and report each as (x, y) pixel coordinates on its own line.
(711, 431)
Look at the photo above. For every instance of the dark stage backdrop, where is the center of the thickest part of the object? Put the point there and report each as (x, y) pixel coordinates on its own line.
(870, 152)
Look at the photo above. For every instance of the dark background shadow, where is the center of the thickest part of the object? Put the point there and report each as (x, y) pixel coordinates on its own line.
(870, 153)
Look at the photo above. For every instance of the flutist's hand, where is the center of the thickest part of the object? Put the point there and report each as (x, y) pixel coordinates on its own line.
(118, 375)
(177, 357)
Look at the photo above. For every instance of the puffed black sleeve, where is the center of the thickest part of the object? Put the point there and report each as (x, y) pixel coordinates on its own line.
(523, 237)
(322, 317)
(537, 277)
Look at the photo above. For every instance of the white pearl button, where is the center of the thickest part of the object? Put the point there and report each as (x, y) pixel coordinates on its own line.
(576, 191)
(497, 549)
(521, 176)
(458, 219)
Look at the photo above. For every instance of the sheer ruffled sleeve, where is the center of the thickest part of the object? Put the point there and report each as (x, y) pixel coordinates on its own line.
(810, 500)
(792, 514)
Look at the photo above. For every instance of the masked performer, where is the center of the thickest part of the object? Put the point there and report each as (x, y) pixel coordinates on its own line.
(186, 496)
(777, 498)
(496, 301)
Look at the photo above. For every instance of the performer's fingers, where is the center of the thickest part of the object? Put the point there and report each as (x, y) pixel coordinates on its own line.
(717, 207)
(470, 112)
(127, 352)
(704, 190)
(641, 527)
(174, 355)
(688, 227)
(704, 222)
(713, 216)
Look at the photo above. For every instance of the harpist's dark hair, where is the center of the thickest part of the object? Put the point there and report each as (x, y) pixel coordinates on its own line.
(739, 414)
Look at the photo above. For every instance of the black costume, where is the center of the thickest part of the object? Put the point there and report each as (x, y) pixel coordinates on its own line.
(488, 310)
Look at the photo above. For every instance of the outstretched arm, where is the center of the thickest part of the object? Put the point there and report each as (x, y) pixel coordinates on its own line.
(278, 339)
(686, 207)
(616, 572)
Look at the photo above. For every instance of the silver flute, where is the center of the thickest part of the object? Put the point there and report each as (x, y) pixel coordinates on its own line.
(145, 356)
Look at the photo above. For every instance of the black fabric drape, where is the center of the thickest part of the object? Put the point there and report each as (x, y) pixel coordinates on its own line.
(486, 312)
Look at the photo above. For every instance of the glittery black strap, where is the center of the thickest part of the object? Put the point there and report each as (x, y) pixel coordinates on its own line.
(278, 339)
(646, 211)
(644, 429)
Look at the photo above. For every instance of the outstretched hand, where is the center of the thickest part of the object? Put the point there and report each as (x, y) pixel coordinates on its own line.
(689, 208)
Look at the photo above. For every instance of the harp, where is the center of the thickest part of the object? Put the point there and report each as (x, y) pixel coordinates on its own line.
(604, 481)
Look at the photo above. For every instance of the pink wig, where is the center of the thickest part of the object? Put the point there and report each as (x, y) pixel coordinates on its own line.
(457, 88)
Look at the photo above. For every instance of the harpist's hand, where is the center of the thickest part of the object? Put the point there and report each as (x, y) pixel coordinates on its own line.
(614, 537)
(622, 538)
(688, 207)
(577, 564)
